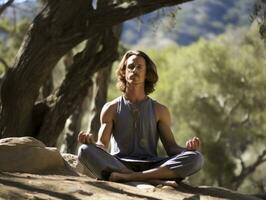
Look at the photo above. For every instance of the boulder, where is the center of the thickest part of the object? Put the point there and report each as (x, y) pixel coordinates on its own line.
(29, 155)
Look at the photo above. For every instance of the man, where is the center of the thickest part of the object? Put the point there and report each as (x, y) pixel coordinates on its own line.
(134, 123)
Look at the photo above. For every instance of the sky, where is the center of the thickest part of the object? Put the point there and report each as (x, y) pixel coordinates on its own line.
(16, 1)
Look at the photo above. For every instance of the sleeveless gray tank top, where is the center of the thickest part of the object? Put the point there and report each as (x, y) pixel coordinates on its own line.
(134, 136)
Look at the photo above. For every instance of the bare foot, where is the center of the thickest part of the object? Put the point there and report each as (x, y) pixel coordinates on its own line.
(125, 177)
(162, 183)
(118, 177)
(169, 183)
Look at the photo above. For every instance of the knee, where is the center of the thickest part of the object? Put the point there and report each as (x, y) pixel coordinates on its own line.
(84, 150)
(193, 159)
(196, 160)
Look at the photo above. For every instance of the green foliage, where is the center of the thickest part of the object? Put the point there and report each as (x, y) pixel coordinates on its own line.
(216, 90)
(12, 35)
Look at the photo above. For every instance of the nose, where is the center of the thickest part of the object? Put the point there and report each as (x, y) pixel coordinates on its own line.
(134, 69)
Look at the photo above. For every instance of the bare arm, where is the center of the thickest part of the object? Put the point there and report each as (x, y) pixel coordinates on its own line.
(166, 135)
(107, 120)
(105, 131)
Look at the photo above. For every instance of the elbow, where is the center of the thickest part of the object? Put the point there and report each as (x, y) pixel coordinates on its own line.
(175, 151)
(101, 145)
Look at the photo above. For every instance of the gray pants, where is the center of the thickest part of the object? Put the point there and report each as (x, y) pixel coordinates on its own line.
(99, 162)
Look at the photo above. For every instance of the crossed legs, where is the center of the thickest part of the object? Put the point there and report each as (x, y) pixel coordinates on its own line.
(178, 166)
(153, 176)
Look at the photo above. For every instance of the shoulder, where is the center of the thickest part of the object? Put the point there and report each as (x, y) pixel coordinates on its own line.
(111, 105)
(161, 110)
(109, 109)
(160, 107)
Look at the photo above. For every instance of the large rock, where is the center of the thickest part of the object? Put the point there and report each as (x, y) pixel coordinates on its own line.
(29, 155)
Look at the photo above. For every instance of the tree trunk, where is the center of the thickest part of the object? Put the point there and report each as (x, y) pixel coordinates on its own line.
(4, 6)
(46, 42)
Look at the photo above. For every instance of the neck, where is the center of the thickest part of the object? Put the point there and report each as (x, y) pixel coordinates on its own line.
(135, 93)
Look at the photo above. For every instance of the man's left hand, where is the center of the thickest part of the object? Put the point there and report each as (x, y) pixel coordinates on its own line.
(193, 144)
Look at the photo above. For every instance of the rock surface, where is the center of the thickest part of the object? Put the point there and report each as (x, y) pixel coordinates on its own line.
(29, 170)
(29, 155)
(33, 186)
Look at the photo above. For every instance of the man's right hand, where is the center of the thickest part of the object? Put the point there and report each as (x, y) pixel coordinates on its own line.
(86, 138)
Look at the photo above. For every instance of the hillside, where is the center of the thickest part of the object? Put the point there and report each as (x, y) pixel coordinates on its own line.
(201, 18)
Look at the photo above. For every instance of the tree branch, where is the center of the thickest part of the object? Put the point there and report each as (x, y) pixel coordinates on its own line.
(126, 11)
(232, 110)
(248, 170)
(4, 6)
(242, 162)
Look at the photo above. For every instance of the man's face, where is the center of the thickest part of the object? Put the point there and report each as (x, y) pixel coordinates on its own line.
(135, 70)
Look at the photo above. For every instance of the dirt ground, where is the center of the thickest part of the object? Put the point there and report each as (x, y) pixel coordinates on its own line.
(44, 187)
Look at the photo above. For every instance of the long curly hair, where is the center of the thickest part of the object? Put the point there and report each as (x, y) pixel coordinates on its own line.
(151, 72)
